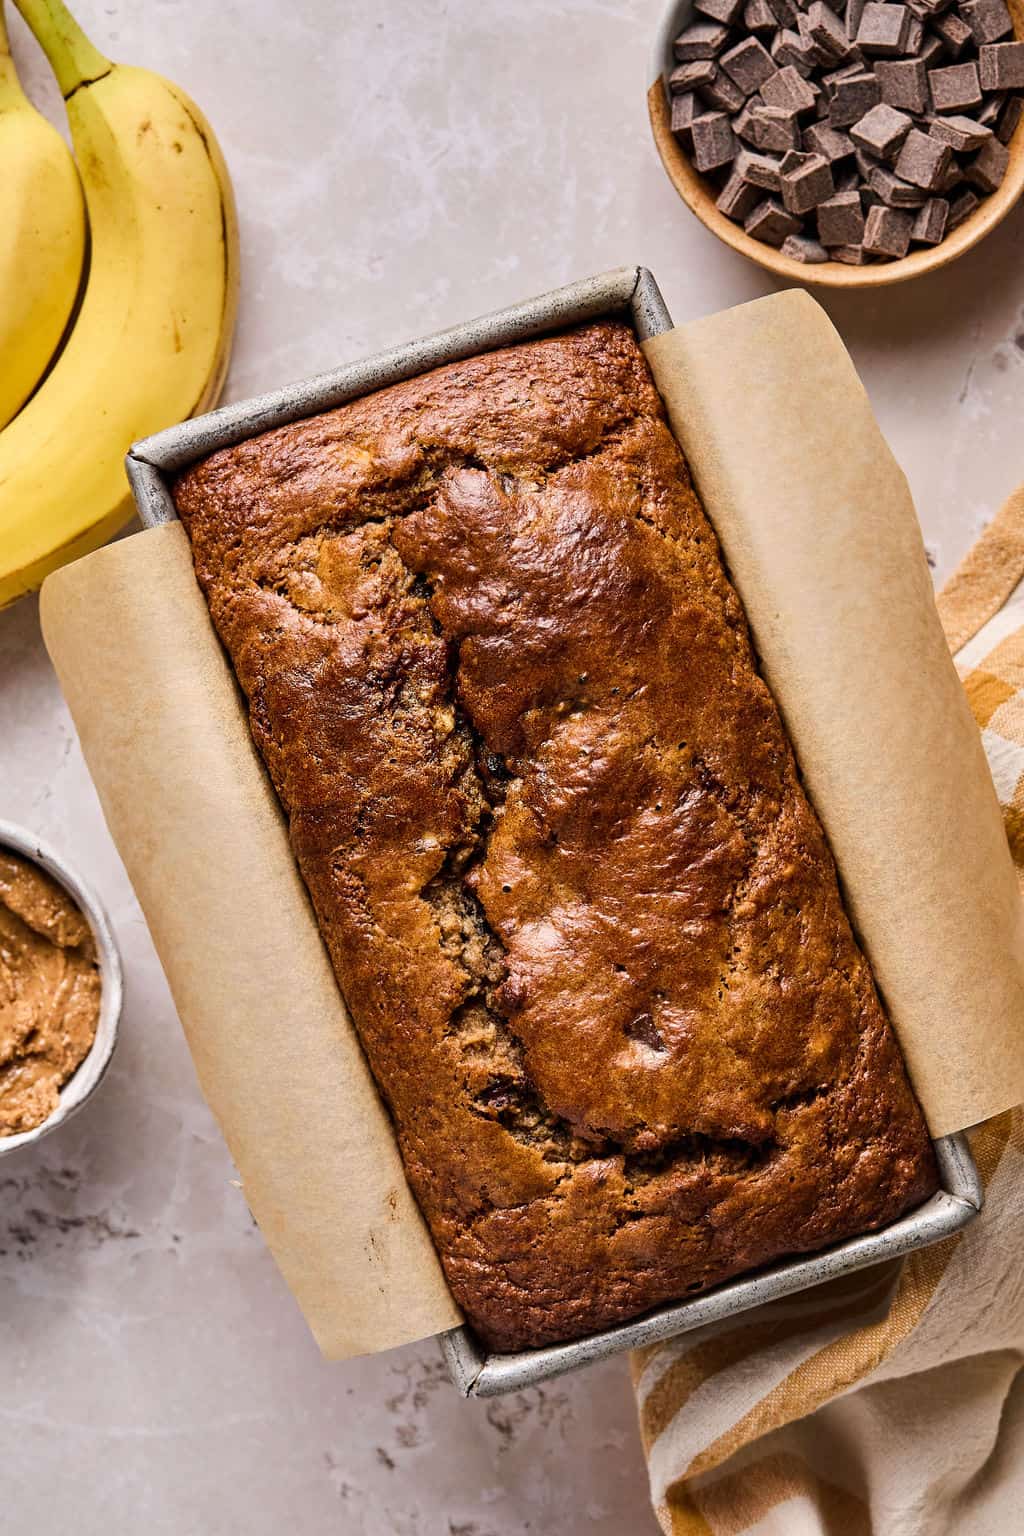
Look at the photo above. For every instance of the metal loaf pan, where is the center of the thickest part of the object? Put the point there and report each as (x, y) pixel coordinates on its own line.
(630, 293)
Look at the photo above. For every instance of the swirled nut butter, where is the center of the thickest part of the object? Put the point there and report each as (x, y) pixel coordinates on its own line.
(49, 992)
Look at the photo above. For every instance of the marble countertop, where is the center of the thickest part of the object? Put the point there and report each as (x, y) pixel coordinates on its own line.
(399, 167)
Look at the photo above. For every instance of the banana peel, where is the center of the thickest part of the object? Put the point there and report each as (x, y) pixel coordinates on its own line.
(42, 239)
(152, 339)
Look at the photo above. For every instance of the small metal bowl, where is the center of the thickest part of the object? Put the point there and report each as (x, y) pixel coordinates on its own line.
(698, 194)
(87, 1076)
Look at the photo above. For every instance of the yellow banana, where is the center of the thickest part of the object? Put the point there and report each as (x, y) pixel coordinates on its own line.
(42, 238)
(153, 336)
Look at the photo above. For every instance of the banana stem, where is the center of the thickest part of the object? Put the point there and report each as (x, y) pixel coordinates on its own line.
(72, 56)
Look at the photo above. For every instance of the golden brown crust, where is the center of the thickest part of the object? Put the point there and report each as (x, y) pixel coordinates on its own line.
(584, 917)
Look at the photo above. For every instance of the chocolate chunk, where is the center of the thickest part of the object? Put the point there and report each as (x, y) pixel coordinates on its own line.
(751, 104)
(1009, 117)
(768, 127)
(893, 190)
(749, 65)
(714, 142)
(922, 160)
(684, 109)
(694, 73)
(988, 112)
(737, 198)
(770, 223)
(779, 130)
(988, 168)
(852, 98)
(881, 131)
(850, 255)
(759, 18)
(823, 139)
(702, 40)
(725, 11)
(791, 51)
(784, 11)
(952, 179)
(826, 30)
(815, 116)
(903, 84)
(828, 82)
(743, 124)
(915, 36)
(803, 248)
(955, 88)
(758, 170)
(931, 51)
(930, 223)
(789, 90)
(819, 57)
(960, 133)
(887, 232)
(954, 32)
(806, 181)
(1001, 66)
(989, 20)
(722, 93)
(961, 208)
(841, 219)
(883, 29)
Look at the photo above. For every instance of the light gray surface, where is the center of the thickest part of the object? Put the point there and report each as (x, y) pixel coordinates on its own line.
(632, 292)
(398, 167)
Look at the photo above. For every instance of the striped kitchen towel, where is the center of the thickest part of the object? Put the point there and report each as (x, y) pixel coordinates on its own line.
(889, 1402)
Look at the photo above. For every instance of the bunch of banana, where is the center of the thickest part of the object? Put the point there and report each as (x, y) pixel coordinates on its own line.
(42, 239)
(152, 338)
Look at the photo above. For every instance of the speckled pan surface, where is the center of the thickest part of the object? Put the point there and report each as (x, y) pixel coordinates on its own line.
(699, 196)
(84, 1081)
(631, 292)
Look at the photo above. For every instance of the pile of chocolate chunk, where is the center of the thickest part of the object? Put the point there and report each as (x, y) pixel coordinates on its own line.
(849, 130)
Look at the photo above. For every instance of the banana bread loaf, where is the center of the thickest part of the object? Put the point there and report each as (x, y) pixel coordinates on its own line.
(583, 915)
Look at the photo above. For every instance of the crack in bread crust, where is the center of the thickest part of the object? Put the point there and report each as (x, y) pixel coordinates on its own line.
(584, 917)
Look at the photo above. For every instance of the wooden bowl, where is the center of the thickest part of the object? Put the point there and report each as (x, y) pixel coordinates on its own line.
(699, 194)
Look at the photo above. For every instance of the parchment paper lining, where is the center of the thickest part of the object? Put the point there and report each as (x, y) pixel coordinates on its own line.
(819, 531)
(820, 534)
(163, 729)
